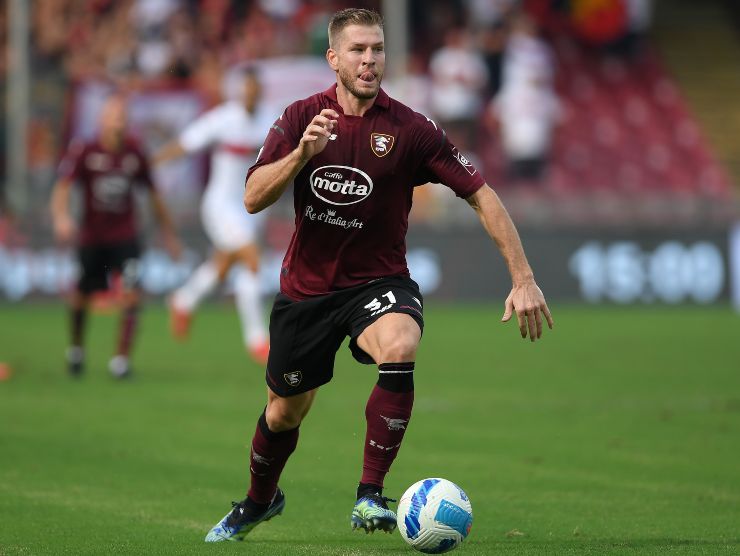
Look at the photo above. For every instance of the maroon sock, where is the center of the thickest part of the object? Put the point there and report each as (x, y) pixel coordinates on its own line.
(270, 451)
(127, 329)
(77, 322)
(388, 412)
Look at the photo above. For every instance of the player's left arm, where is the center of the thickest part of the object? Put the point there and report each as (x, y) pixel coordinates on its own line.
(526, 298)
(159, 208)
(166, 224)
(170, 151)
(198, 135)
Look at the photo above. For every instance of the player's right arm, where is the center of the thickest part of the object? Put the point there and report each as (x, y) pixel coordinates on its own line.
(198, 135)
(267, 183)
(62, 222)
(170, 151)
(71, 168)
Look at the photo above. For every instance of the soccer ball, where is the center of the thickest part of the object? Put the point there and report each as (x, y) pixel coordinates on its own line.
(434, 516)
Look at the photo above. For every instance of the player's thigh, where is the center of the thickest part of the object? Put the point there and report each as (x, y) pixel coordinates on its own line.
(386, 321)
(93, 275)
(229, 227)
(248, 255)
(393, 338)
(125, 258)
(304, 340)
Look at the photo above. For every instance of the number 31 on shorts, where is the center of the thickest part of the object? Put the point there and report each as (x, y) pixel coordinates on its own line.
(375, 305)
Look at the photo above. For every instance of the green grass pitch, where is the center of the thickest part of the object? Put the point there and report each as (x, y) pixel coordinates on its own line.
(619, 433)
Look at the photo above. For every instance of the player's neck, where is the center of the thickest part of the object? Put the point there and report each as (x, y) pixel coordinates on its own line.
(351, 105)
(111, 141)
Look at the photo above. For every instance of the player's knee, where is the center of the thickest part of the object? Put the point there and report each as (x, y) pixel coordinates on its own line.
(401, 348)
(282, 417)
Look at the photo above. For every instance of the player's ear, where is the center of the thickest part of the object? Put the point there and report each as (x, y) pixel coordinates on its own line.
(331, 57)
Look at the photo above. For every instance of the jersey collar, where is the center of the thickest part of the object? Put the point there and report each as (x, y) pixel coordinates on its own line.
(381, 101)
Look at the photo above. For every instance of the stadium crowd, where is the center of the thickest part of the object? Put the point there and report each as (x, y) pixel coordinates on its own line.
(459, 48)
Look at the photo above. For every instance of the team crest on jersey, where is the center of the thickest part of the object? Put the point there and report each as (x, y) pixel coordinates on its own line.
(293, 378)
(381, 143)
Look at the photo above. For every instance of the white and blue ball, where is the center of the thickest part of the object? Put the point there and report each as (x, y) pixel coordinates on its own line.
(434, 516)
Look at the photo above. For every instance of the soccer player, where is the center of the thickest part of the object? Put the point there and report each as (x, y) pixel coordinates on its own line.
(107, 170)
(354, 156)
(234, 131)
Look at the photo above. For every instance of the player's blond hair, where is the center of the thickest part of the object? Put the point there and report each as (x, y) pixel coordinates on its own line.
(352, 16)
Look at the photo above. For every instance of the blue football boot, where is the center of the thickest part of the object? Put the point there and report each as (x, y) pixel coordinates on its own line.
(238, 522)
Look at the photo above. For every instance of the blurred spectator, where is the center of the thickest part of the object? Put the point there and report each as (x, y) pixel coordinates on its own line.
(459, 75)
(412, 86)
(489, 13)
(314, 18)
(527, 107)
(489, 18)
(639, 19)
(599, 23)
(280, 9)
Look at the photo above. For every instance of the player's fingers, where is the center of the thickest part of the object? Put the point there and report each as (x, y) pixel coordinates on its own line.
(522, 318)
(314, 129)
(531, 325)
(508, 310)
(324, 122)
(548, 316)
(329, 113)
(538, 321)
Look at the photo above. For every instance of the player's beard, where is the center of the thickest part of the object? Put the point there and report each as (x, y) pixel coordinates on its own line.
(348, 80)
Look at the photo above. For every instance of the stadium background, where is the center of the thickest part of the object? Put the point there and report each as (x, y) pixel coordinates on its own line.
(636, 206)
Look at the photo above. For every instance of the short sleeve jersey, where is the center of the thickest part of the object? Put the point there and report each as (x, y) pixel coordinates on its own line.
(353, 199)
(107, 180)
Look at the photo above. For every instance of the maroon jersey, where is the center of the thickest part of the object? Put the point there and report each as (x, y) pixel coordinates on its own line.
(353, 199)
(107, 179)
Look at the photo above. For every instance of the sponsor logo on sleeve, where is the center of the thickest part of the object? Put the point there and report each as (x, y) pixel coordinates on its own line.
(381, 143)
(464, 161)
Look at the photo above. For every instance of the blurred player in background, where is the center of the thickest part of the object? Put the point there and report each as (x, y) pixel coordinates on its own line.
(355, 156)
(234, 130)
(107, 169)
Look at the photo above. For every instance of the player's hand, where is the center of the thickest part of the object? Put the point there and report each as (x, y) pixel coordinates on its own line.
(528, 302)
(317, 134)
(64, 230)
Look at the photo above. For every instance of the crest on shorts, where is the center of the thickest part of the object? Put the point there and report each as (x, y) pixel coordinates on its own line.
(293, 378)
(381, 143)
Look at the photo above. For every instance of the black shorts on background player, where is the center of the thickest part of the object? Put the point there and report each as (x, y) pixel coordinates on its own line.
(98, 261)
(305, 335)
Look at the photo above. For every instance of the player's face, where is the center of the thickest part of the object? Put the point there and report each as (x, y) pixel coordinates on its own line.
(113, 116)
(359, 59)
(251, 92)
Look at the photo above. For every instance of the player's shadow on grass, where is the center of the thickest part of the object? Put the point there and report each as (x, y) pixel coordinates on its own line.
(638, 543)
(586, 542)
(343, 548)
